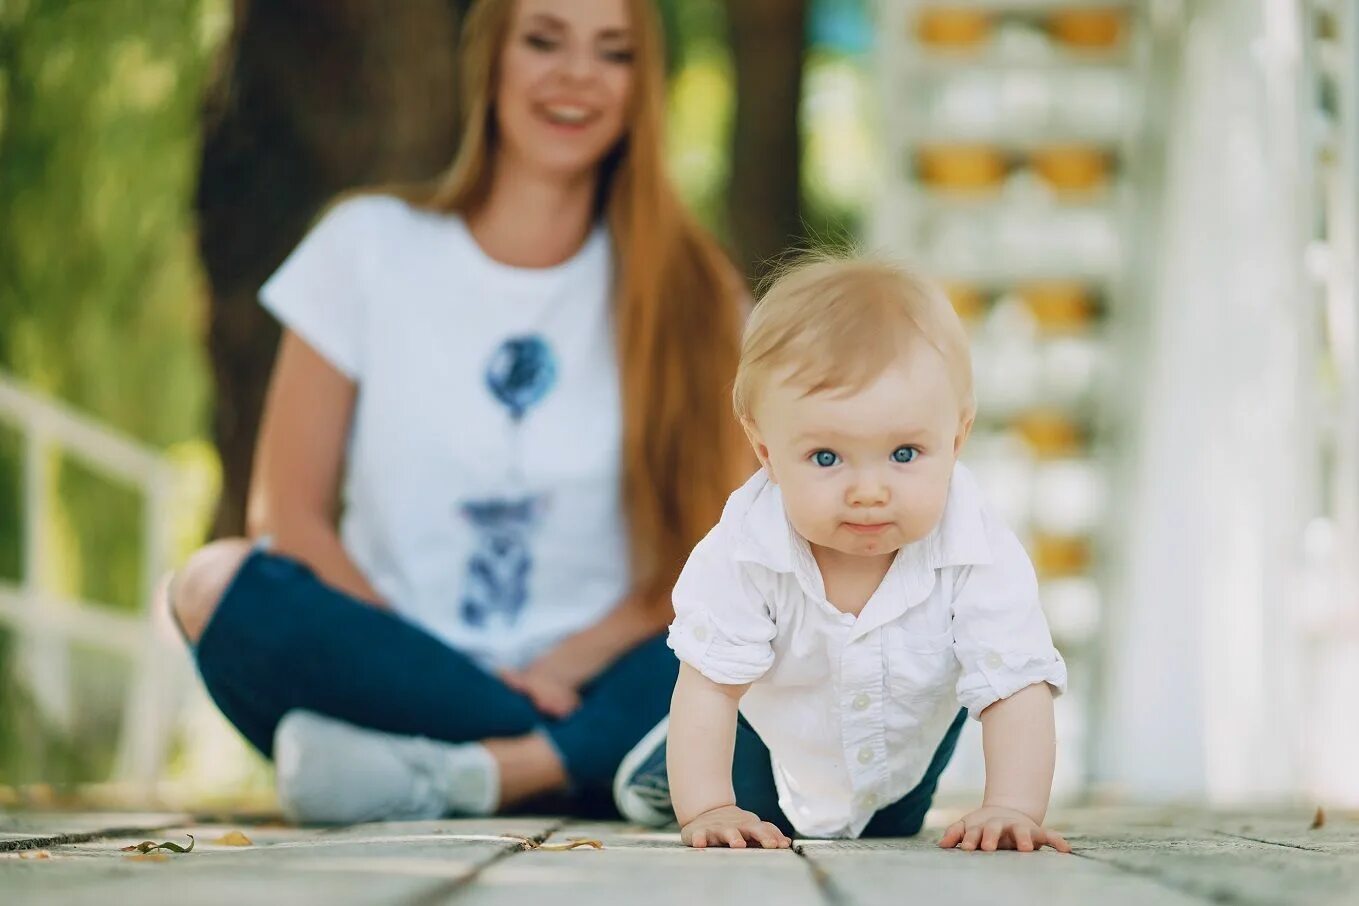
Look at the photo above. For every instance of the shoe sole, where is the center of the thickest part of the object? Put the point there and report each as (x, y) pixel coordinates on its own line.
(633, 807)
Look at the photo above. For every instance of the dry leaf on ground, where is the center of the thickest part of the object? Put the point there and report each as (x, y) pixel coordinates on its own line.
(150, 846)
(35, 854)
(233, 838)
(1319, 819)
(572, 844)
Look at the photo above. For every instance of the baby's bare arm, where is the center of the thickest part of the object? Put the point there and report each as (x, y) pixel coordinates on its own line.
(700, 743)
(1019, 739)
(1020, 742)
(698, 758)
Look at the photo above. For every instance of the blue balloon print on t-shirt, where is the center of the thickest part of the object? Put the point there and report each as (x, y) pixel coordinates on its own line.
(522, 372)
(498, 570)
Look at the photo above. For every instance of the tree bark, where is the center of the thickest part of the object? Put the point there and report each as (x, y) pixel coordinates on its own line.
(311, 97)
(764, 199)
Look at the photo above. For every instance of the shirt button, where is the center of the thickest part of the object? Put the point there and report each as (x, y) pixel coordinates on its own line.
(994, 661)
(861, 702)
(701, 633)
(865, 755)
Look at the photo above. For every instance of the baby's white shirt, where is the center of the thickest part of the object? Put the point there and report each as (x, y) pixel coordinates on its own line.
(853, 708)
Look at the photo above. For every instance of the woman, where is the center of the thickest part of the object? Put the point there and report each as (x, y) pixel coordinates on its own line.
(518, 375)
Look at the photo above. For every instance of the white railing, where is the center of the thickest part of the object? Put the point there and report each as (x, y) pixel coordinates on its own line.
(47, 622)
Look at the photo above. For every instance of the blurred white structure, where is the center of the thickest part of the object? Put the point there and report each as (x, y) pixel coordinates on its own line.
(1233, 639)
(1227, 613)
(48, 623)
(1010, 136)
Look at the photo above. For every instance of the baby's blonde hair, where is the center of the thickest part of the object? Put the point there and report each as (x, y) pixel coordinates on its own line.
(840, 322)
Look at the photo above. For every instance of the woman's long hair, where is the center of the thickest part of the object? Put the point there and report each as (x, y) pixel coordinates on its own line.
(678, 302)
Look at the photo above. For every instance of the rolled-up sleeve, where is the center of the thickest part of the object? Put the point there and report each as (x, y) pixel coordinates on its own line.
(1000, 635)
(723, 627)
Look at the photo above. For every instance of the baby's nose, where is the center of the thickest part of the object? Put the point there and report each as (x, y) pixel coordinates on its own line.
(868, 489)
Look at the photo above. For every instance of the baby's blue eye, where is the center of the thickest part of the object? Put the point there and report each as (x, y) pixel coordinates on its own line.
(904, 454)
(825, 458)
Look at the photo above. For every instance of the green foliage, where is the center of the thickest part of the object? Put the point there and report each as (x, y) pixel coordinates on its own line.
(33, 749)
(100, 302)
(11, 464)
(701, 107)
(106, 531)
(101, 305)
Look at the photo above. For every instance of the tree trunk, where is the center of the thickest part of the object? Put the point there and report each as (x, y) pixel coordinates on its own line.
(311, 97)
(764, 207)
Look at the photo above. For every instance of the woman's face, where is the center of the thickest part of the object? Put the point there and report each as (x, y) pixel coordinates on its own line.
(565, 83)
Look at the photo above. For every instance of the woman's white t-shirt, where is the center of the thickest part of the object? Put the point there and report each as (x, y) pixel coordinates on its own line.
(481, 488)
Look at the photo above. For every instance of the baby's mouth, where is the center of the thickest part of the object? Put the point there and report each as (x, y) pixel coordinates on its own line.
(867, 528)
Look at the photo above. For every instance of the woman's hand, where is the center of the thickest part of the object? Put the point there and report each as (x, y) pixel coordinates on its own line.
(551, 695)
(994, 827)
(732, 826)
(577, 659)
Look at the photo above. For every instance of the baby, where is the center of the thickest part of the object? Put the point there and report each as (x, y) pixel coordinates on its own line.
(856, 592)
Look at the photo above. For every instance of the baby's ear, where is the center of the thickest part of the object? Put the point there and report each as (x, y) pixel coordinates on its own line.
(964, 431)
(758, 445)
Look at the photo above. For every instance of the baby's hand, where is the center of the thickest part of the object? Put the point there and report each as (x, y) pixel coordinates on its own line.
(732, 826)
(995, 827)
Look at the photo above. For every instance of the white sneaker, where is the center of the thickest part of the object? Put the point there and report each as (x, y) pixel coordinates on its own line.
(332, 772)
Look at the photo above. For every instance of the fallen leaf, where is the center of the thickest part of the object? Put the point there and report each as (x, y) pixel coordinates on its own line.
(1319, 820)
(38, 795)
(571, 844)
(149, 846)
(35, 854)
(233, 838)
(148, 857)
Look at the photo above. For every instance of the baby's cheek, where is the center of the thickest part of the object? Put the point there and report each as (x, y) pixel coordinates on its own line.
(925, 504)
(810, 512)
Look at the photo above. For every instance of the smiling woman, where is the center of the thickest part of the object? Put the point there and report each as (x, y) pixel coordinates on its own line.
(496, 373)
(563, 123)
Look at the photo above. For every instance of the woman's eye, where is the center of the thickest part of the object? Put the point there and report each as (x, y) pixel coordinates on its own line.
(540, 42)
(825, 458)
(904, 454)
(621, 55)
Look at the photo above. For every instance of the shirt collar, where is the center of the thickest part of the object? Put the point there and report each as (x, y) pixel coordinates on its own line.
(764, 535)
(960, 539)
